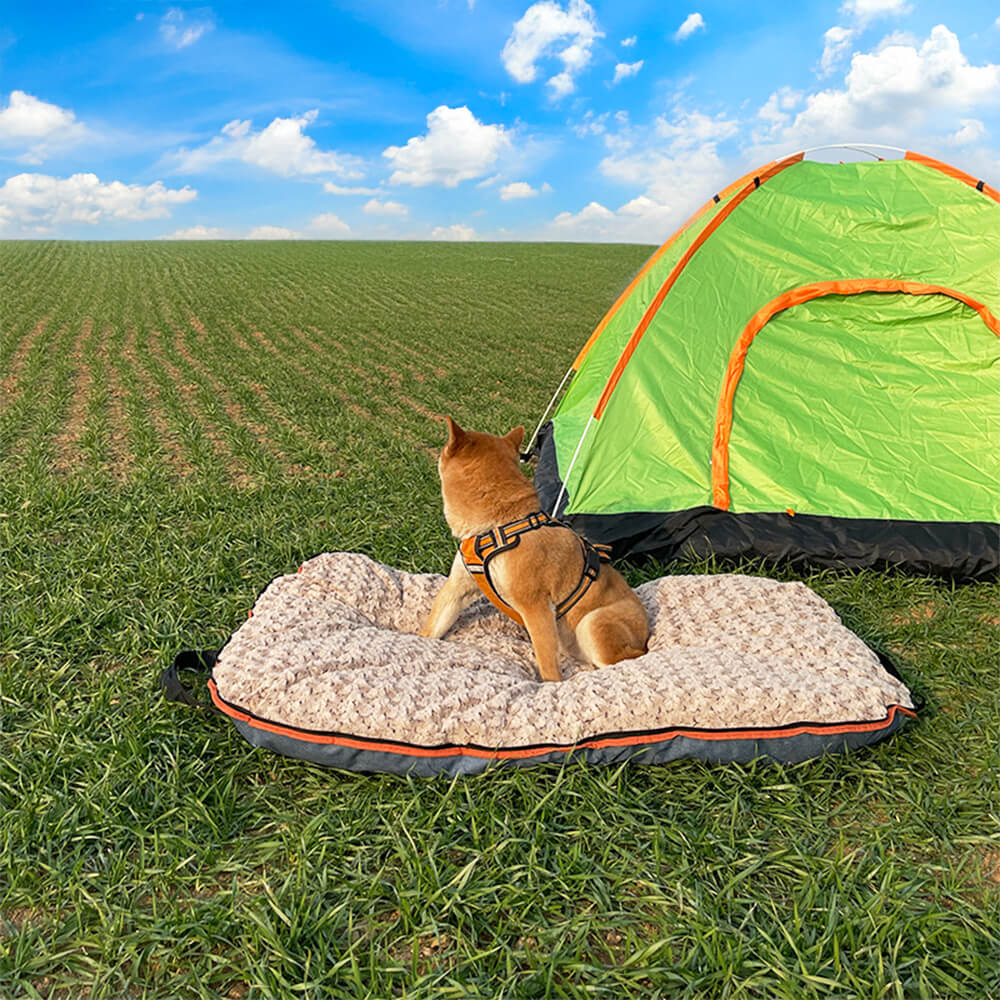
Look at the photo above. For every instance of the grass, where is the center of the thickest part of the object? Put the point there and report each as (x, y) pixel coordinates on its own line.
(181, 424)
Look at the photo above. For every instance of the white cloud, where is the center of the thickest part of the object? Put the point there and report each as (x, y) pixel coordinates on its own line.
(689, 26)
(178, 31)
(776, 112)
(590, 214)
(889, 92)
(972, 130)
(624, 70)
(591, 124)
(630, 41)
(28, 121)
(561, 85)
(40, 201)
(641, 220)
(517, 189)
(864, 11)
(376, 207)
(541, 33)
(458, 232)
(836, 43)
(676, 178)
(457, 147)
(674, 164)
(328, 226)
(330, 188)
(837, 40)
(282, 148)
(197, 233)
(694, 128)
(272, 233)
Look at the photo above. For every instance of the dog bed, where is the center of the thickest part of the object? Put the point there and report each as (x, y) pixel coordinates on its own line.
(329, 668)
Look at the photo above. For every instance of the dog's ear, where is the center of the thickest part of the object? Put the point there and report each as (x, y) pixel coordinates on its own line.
(455, 436)
(515, 437)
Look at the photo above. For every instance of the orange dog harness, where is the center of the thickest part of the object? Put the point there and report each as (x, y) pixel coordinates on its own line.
(478, 550)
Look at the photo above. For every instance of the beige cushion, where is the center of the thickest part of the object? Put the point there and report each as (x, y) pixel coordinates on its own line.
(333, 649)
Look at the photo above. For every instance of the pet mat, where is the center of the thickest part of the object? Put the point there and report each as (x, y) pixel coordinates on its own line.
(329, 668)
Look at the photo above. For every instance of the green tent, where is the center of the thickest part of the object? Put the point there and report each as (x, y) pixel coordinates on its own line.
(809, 369)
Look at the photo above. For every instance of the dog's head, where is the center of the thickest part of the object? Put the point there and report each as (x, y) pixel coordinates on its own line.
(476, 471)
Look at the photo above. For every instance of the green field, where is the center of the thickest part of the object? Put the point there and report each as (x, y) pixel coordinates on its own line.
(183, 422)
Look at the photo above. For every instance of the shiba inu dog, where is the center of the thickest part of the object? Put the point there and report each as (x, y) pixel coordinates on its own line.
(536, 570)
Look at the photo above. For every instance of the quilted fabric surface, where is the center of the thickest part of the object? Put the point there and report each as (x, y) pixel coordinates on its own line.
(334, 648)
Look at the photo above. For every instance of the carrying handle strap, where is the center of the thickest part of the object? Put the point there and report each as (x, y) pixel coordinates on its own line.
(194, 660)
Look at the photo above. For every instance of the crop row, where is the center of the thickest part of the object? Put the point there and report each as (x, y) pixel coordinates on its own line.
(237, 362)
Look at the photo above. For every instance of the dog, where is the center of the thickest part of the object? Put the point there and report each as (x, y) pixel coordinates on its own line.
(540, 571)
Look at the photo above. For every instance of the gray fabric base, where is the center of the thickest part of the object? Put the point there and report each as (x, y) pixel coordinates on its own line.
(784, 749)
(330, 667)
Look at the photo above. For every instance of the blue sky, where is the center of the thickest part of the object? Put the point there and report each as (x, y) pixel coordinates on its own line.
(460, 119)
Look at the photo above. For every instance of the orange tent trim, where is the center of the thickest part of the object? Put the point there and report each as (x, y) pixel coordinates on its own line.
(711, 203)
(734, 370)
(959, 175)
(654, 306)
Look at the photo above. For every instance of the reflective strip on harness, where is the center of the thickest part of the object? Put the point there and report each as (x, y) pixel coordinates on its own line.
(478, 550)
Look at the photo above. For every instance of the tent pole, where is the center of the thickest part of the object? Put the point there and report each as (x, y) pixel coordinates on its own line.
(562, 492)
(534, 437)
(857, 146)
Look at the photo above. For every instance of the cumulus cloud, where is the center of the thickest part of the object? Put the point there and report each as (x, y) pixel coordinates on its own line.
(456, 147)
(890, 91)
(675, 164)
(561, 85)
(592, 213)
(330, 188)
(837, 40)
(625, 70)
(641, 220)
(458, 232)
(376, 207)
(37, 126)
(972, 130)
(39, 201)
(272, 233)
(776, 113)
(692, 128)
(328, 226)
(836, 44)
(630, 41)
(864, 11)
(547, 30)
(591, 124)
(197, 233)
(517, 189)
(282, 148)
(674, 179)
(179, 31)
(689, 26)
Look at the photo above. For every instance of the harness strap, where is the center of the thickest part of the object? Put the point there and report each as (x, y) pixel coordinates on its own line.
(592, 559)
(478, 550)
